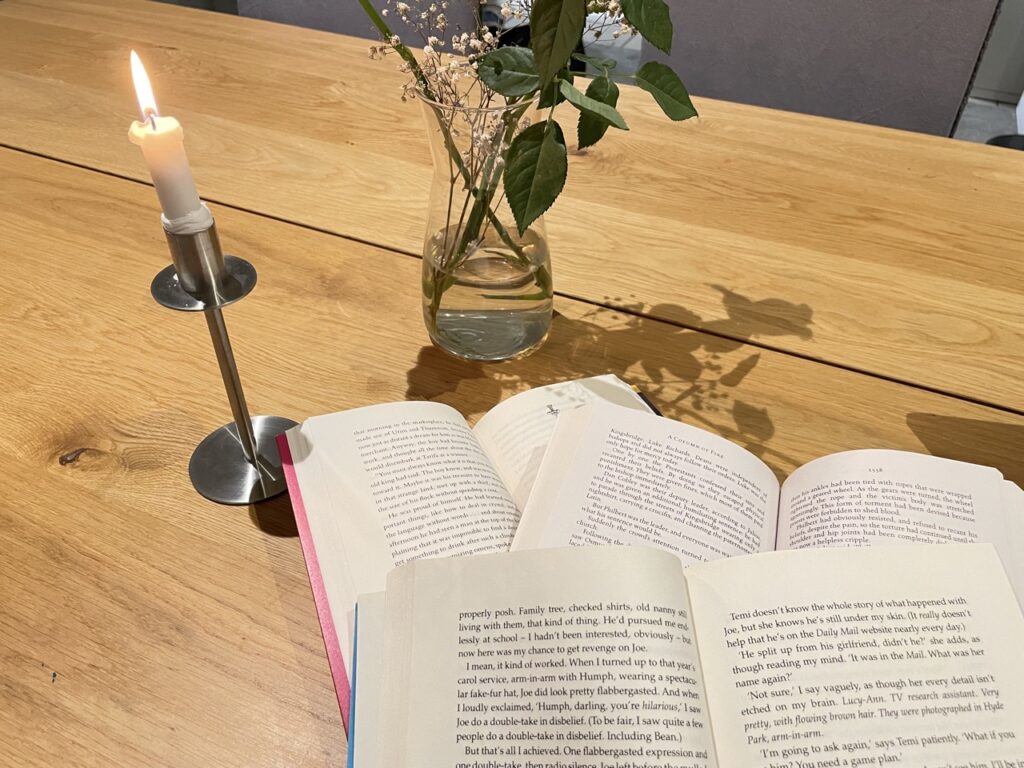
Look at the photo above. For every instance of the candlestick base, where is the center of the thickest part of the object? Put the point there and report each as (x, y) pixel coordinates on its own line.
(220, 472)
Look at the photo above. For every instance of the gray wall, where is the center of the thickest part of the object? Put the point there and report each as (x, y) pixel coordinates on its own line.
(345, 16)
(901, 63)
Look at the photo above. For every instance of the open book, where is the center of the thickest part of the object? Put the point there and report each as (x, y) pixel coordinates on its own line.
(375, 487)
(617, 657)
(616, 477)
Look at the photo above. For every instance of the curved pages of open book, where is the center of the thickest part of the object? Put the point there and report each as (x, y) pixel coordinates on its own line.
(906, 656)
(377, 486)
(568, 464)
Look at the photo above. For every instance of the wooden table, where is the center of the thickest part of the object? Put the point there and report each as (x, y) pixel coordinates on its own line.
(901, 248)
(798, 285)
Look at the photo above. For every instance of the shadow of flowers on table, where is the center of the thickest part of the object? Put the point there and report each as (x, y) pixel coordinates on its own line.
(990, 443)
(690, 375)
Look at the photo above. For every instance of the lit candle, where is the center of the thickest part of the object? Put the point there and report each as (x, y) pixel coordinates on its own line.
(163, 146)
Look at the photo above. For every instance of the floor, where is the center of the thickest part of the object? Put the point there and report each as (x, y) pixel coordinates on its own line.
(982, 120)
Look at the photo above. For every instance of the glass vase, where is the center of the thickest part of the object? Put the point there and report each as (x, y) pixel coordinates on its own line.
(486, 287)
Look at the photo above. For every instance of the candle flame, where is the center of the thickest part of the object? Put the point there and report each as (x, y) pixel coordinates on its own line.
(143, 89)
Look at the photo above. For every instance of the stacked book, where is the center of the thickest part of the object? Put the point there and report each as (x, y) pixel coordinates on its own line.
(644, 593)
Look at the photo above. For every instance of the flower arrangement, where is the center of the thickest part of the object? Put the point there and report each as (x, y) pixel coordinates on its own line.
(493, 108)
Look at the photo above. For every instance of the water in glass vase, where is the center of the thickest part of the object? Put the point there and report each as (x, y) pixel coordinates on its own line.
(495, 304)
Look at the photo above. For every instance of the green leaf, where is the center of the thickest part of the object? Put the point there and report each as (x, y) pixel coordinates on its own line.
(552, 95)
(652, 20)
(667, 89)
(604, 65)
(591, 129)
(591, 106)
(535, 171)
(556, 27)
(510, 71)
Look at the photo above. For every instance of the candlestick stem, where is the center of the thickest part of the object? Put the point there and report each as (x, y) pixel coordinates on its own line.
(232, 385)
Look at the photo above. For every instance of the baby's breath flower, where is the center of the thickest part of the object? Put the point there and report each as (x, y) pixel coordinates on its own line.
(451, 54)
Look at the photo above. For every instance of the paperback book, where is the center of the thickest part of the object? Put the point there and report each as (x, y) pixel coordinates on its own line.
(619, 657)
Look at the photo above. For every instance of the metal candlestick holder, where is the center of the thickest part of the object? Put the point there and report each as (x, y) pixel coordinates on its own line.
(238, 463)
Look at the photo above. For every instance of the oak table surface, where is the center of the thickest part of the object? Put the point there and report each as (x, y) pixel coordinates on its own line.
(895, 253)
(143, 625)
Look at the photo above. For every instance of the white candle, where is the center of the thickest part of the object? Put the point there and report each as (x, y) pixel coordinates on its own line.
(162, 142)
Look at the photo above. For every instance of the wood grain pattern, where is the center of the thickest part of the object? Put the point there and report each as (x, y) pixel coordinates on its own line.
(183, 633)
(903, 249)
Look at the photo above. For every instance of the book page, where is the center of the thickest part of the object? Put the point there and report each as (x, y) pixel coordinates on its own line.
(901, 657)
(516, 432)
(390, 483)
(575, 657)
(872, 497)
(615, 476)
(1012, 549)
(364, 738)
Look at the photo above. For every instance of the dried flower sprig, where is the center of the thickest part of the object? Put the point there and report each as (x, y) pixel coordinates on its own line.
(470, 68)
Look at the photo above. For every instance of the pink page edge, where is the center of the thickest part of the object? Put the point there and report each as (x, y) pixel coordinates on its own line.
(316, 582)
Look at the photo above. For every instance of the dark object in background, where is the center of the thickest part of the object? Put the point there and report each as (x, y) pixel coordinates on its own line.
(1009, 140)
(223, 6)
(516, 37)
(520, 37)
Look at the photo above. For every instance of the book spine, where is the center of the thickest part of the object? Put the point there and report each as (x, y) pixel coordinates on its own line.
(316, 582)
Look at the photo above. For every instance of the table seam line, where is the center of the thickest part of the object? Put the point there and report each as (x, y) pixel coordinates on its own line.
(803, 356)
(562, 294)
